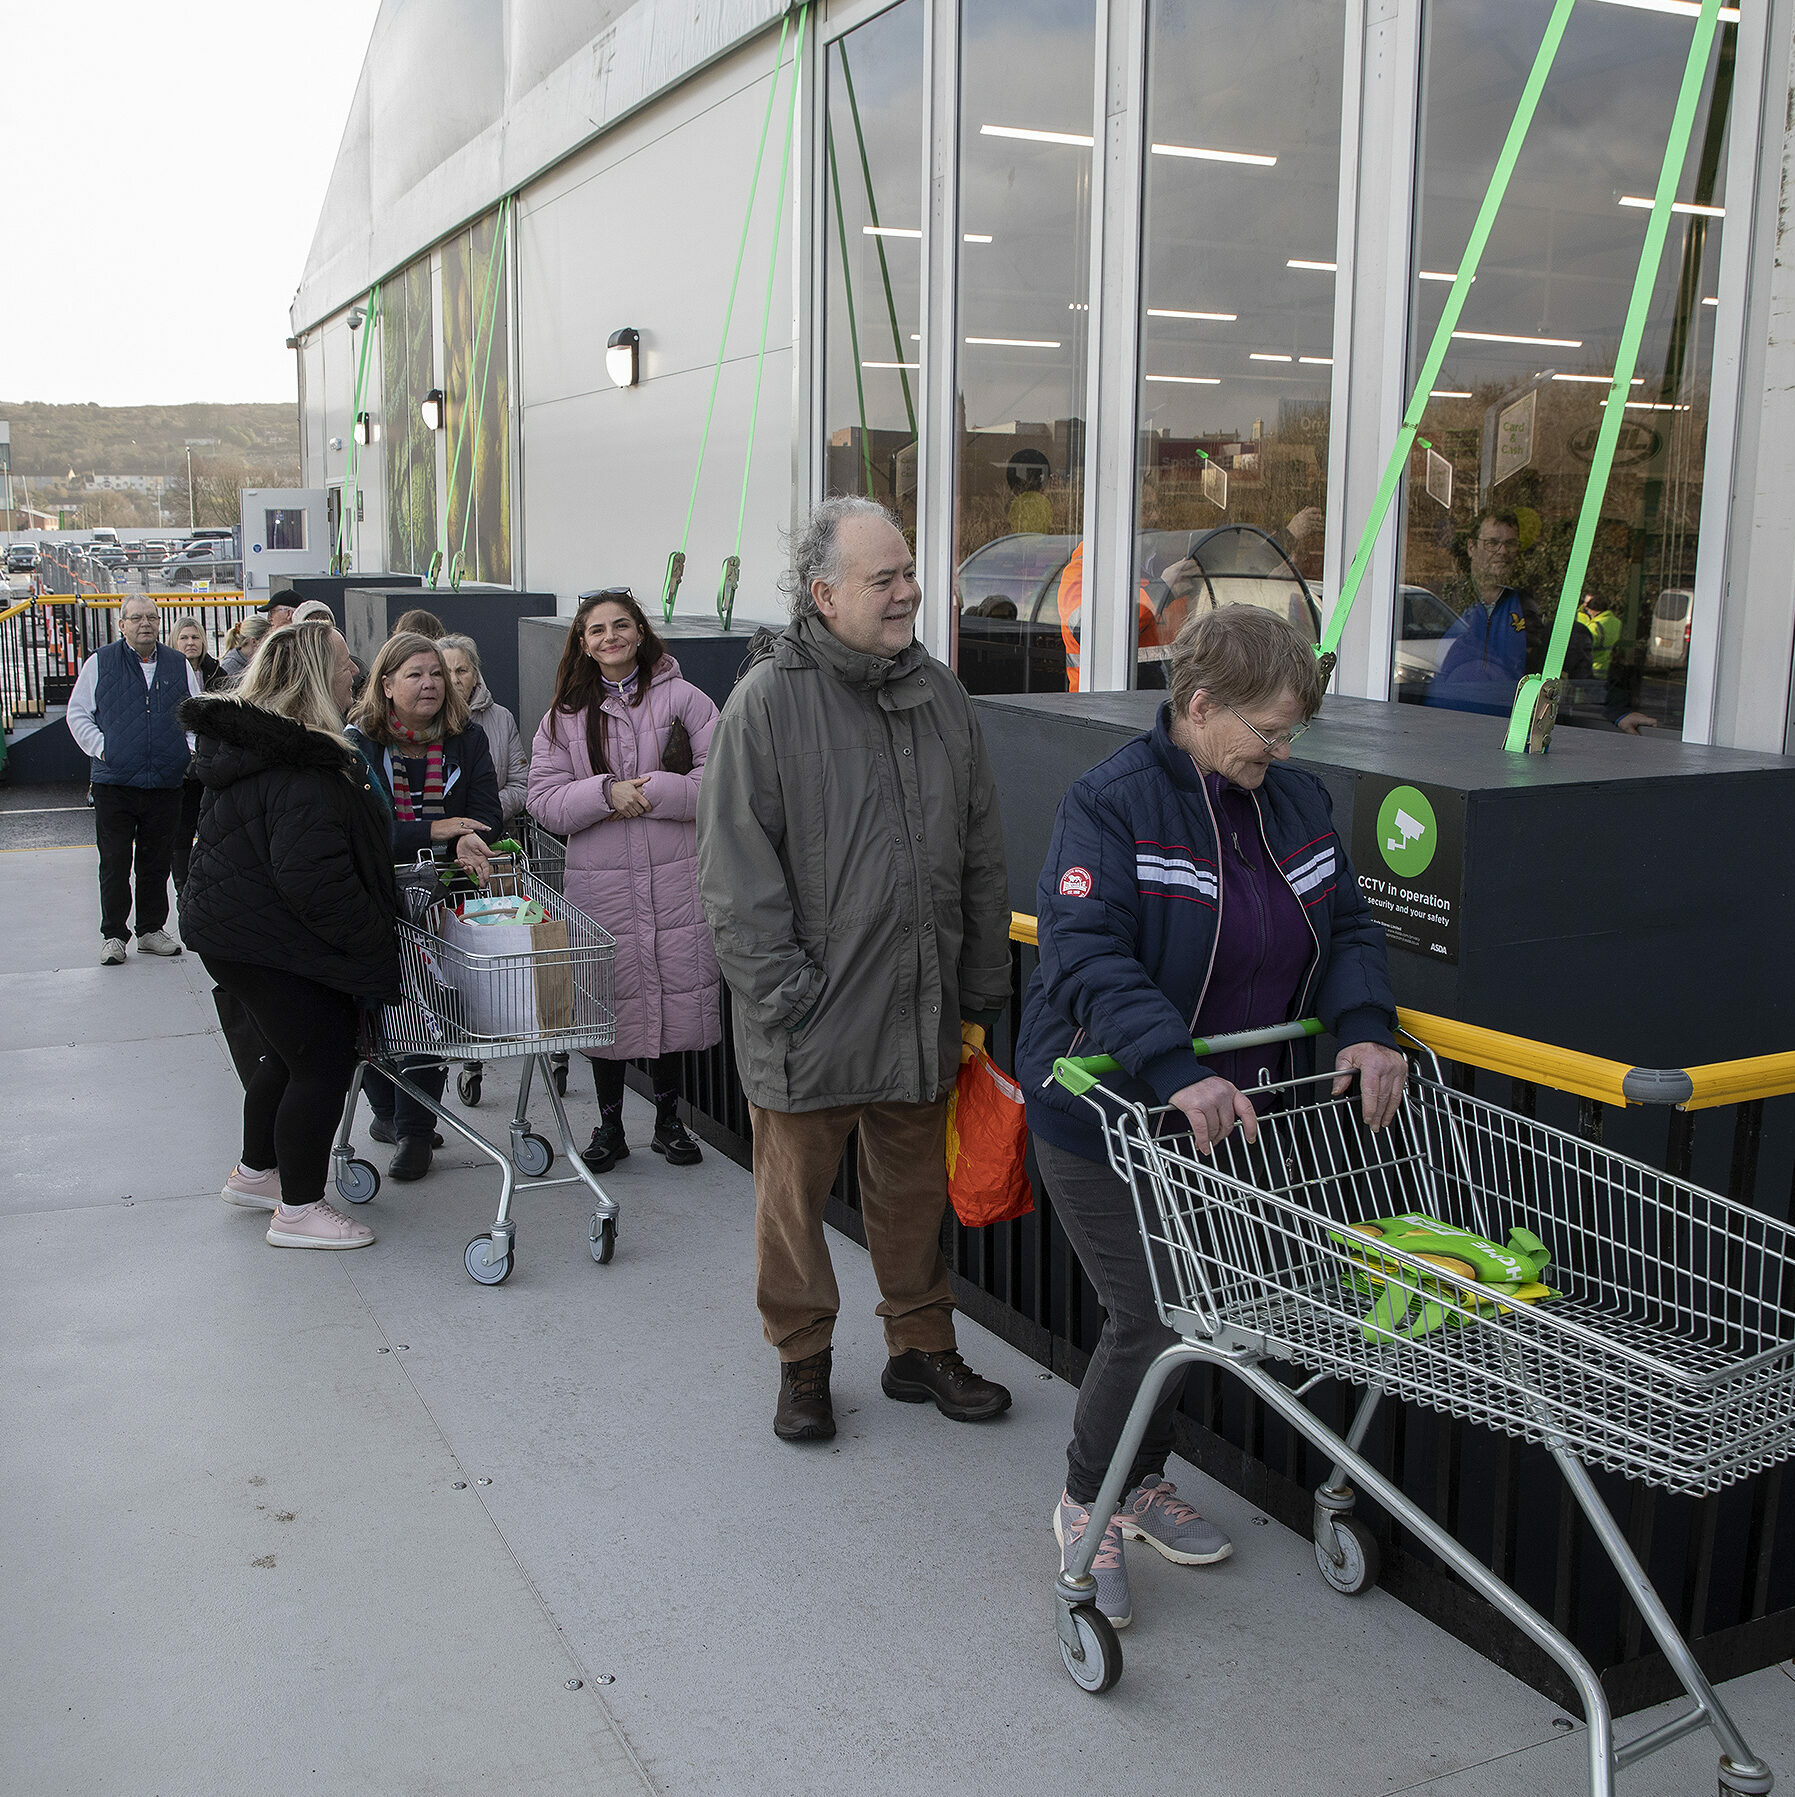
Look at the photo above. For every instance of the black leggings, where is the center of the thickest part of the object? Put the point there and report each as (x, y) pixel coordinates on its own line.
(607, 1078)
(294, 1100)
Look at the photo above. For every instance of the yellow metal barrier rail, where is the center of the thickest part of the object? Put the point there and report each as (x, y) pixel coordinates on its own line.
(164, 601)
(1585, 1075)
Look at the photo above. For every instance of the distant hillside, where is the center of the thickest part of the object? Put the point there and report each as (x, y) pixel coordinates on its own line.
(50, 440)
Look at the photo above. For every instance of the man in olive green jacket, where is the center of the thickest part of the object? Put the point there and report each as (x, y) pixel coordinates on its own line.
(850, 863)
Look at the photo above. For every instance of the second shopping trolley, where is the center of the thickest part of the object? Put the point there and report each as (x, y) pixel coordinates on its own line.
(1658, 1341)
(526, 997)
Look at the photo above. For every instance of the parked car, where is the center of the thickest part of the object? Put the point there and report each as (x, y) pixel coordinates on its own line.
(21, 558)
(197, 561)
(1672, 616)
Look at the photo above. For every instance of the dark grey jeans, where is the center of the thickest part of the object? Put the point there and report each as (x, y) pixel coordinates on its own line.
(1097, 1212)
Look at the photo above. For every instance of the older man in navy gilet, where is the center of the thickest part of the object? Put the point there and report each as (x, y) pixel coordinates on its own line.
(122, 713)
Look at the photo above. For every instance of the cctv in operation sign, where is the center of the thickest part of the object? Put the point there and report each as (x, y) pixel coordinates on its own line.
(1408, 849)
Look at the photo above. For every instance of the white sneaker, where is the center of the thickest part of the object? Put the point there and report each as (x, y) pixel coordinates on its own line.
(157, 942)
(253, 1191)
(112, 952)
(316, 1226)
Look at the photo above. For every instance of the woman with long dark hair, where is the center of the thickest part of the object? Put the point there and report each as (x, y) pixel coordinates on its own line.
(615, 770)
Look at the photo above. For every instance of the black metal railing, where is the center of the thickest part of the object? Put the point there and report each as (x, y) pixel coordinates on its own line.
(1724, 1564)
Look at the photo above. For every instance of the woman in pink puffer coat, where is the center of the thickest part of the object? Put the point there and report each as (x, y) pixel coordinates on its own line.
(615, 770)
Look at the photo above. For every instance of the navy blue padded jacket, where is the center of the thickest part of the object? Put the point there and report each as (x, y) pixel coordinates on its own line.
(1127, 906)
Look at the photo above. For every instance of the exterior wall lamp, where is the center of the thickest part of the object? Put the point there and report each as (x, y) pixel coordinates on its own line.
(431, 405)
(623, 357)
(364, 428)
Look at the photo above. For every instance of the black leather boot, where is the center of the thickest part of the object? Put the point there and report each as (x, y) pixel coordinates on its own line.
(805, 1412)
(607, 1146)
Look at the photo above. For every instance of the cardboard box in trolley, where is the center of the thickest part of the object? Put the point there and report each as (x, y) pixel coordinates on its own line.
(509, 988)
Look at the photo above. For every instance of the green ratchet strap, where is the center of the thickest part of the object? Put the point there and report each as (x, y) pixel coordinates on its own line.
(487, 318)
(676, 562)
(352, 477)
(1329, 646)
(1536, 699)
(1080, 1074)
(732, 563)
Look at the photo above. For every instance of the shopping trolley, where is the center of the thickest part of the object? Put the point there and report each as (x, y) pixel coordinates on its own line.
(545, 856)
(457, 1006)
(1667, 1353)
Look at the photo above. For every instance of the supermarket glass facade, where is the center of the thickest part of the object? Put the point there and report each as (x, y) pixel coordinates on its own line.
(1242, 339)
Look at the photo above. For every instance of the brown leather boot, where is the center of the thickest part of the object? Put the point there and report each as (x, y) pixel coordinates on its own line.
(916, 1377)
(805, 1413)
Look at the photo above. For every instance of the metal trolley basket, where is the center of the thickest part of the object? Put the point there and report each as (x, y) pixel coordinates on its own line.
(1667, 1353)
(461, 1007)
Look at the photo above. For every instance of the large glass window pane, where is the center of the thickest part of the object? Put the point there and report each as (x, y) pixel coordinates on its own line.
(1026, 80)
(409, 446)
(1492, 504)
(1242, 192)
(477, 361)
(873, 156)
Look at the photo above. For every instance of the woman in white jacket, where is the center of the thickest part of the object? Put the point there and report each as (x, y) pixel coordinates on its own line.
(461, 656)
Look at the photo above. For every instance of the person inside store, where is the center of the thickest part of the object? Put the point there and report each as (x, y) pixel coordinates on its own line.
(616, 769)
(290, 905)
(1502, 632)
(123, 717)
(432, 766)
(851, 865)
(1194, 886)
(461, 656)
(190, 639)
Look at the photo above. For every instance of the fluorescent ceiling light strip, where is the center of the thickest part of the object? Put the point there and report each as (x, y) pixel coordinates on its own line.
(1214, 317)
(971, 237)
(1074, 138)
(1317, 361)
(1712, 300)
(1686, 9)
(1249, 157)
(1447, 393)
(1259, 355)
(1597, 380)
(1643, 203)
(888, 231)
(1323, 268)
(1503, 337)
(1652, 405)
(1435, 274)
(890, 364)
(1188, 380)
(1016, 342)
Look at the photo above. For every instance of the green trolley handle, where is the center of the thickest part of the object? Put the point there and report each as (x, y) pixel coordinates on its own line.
(1079, 1074)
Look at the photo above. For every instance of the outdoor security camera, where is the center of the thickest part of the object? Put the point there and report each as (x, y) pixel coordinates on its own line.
(355, 318)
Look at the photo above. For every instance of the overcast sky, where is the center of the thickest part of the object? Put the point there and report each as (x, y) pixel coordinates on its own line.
(166, 165)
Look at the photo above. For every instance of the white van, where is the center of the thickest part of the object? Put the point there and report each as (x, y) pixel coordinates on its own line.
(1669, 647)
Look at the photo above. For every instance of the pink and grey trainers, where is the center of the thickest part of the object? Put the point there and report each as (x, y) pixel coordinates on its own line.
(1109, 1569)
(1153, 1512)
(253, 1191)
(316, 1226)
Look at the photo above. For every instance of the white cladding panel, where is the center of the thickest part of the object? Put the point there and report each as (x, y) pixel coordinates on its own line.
(642, 230)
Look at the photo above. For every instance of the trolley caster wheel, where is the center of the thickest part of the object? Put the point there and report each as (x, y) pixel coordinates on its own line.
(467, 1084)
(561, 1077)
(604, 1239)
(357, 1181)
(481, 1268)
(1360, 1558)
(531, 1156)
(1737, 1783)
(1101, 1666)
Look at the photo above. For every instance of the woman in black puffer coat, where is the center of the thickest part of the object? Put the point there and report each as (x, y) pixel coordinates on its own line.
(290, 903)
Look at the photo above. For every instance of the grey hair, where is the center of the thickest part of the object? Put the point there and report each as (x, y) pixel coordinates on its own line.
(816, 548)
(463, 645)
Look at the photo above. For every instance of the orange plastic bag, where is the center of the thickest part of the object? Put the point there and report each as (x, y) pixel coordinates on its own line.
(986, 1139)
